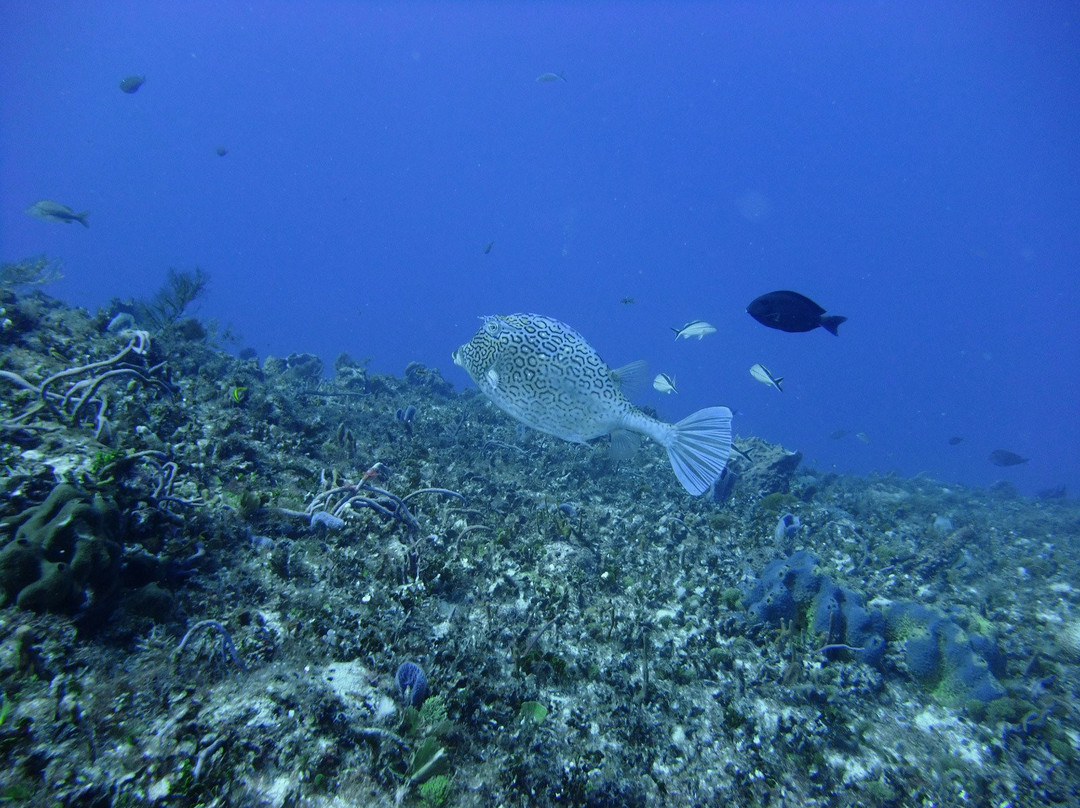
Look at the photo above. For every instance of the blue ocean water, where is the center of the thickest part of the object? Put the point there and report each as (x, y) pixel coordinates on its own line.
(911, 166)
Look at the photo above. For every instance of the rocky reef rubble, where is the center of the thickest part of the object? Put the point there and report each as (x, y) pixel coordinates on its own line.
(239, 573)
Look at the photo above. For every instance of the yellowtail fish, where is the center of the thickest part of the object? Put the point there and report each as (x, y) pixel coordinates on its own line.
(764, 375)
(694, 328)
(664, 383)
(543, 373)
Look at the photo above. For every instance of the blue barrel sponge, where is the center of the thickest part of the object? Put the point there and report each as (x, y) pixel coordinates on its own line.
(774, 606)
(412, 683)
(826, 613)
(873, 651)
(794, 575)
(865, 630)
(966, 675)
(801, 578)
(941, 656)
(838, 616)
(907, 620)
(988, 650)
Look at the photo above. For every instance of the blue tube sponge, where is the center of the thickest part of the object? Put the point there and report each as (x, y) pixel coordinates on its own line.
(412, 682)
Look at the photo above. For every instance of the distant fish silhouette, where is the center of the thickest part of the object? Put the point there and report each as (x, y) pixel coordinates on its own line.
(838, 434)
(1003, 457)
(49, 211)
(131, 84)
(1057, 492)
(547, 78)
(488, 246)
(792, 312)
(956, 441)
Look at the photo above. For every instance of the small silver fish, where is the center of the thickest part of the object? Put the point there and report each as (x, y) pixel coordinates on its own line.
(694, 328)
(49, 211)
(664, 384)
(544, 374)
(547, 78)
(764, 375)
(740, 453)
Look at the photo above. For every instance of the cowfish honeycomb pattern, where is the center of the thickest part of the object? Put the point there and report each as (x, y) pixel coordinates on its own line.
(544, 373)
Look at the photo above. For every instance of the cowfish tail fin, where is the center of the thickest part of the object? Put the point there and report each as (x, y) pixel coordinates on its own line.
(831, 323)
(81, 218)
(698, 447)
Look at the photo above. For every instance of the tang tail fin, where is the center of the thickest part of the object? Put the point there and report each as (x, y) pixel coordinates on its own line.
(831, 323)
(81, 218)
(698, 448)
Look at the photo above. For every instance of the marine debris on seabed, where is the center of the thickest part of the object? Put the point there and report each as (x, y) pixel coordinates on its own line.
(295, 594)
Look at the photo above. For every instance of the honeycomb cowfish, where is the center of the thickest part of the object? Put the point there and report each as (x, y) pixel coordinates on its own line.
(543, 373)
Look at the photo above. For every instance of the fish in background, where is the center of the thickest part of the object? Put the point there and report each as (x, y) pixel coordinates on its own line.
(792, 312)
(49, 211)
(694, 328)
(547, 78)
(764, 375)
(543, 373)
(131, 84)
(1003, 457)
(956, 440)
(664, 384)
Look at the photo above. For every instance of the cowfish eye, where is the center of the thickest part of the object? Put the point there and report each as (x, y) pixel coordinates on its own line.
(491, 327)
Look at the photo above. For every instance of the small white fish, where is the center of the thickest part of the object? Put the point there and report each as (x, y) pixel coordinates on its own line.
(664, 383)
(694, 328)
(547, 78)
(764, 375)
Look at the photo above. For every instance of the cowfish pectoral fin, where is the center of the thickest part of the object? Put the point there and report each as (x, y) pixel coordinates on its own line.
(698, 447)
(631, 378)
(624, 444)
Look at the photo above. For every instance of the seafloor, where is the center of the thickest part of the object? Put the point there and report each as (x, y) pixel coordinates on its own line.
(208, 587)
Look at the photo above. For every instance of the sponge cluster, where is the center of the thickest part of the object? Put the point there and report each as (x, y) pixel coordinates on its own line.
(955, 666)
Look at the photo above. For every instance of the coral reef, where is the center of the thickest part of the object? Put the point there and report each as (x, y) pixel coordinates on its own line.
(262, 562)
